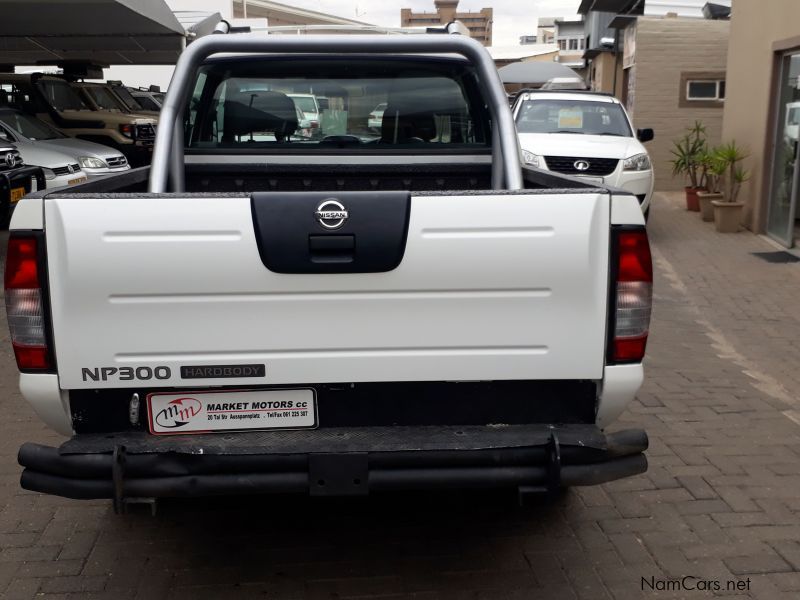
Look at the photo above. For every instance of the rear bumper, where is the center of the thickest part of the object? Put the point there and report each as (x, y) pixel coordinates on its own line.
(333, 461)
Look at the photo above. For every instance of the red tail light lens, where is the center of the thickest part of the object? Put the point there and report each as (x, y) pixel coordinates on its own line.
(26, 319)
(634, 296)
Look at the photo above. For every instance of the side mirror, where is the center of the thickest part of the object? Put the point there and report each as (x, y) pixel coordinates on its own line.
(645, 135)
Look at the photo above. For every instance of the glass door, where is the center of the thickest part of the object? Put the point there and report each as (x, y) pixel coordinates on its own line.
(786, 157)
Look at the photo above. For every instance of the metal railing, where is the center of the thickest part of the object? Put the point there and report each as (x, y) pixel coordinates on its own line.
(168, 170)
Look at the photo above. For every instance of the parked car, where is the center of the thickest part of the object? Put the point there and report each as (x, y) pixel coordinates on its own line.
(54, 101)
(418, 311)
(303, 123)
(30, 135)
(59, 169)
(16, 180)
(565, 83)
(308, 104)
(375, 119)
(102, 96)
(126, 97)
(148, 99)
(587, 135)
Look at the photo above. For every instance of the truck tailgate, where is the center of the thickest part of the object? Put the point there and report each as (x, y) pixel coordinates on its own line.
(490, 287)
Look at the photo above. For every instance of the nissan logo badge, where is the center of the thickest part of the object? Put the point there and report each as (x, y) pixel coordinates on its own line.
(331, 214)
(581, 165)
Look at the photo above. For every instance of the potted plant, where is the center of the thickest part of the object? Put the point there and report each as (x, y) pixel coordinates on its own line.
(713, 170)
(728, 211)
(688, 152)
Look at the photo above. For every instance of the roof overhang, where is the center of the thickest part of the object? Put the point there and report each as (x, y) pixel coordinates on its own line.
(627, 7)
(621, 21)
(112, 32)
(595, 52)
(291, 14)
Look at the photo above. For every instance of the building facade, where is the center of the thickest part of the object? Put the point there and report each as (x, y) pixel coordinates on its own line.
(762, 112)
(571, 40)
(479, 23)
(546, 30)
(674, 73)
(603, 51)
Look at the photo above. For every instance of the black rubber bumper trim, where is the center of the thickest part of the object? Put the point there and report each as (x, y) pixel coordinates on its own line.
(174, 474)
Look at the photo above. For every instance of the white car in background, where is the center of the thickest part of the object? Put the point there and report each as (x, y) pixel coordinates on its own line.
(310, 107)
(36, 140)
(587, 135)
(375, 119)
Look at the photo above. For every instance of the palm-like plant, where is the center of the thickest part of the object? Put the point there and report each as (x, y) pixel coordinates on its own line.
(688, 152)
(713, 168)
(732, 175)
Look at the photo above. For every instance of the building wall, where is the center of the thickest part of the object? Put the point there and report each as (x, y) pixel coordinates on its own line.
(479, 23)
(752, 70)
(666, 48)
(601, 74)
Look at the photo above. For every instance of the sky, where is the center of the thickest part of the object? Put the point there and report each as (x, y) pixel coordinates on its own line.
(512, 18)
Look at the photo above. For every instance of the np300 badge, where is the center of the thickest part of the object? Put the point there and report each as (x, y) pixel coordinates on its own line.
(331, 214)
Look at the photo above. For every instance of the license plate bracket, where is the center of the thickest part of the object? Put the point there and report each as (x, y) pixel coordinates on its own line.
(342, 474)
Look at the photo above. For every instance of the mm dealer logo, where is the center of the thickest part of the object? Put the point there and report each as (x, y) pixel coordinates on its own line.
(178, 413)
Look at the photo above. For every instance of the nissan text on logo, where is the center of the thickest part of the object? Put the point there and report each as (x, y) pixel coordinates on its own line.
(178, 413)
(331, 214)
(581, 165)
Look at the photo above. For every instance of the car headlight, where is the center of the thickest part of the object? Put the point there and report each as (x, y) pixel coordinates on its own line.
(640, 162)
(48, 173)
(531, 159)
(91, 162)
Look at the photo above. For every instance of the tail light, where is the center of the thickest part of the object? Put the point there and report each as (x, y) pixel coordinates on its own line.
(24, 304)
(634, 296)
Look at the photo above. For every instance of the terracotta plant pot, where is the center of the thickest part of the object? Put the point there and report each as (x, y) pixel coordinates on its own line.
(692, 203)
(728, 216)
(706, 208)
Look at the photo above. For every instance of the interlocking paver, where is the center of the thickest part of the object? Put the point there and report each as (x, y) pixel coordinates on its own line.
(721, 499)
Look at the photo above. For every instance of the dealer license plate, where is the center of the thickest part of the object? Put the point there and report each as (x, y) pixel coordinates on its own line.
(203, 412)
(17, 194)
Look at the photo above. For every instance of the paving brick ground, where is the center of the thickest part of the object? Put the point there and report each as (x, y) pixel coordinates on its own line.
(720, 502)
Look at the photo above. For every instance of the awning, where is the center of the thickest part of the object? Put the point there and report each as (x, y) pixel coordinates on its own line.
(630, 7)
(102, 32)
(533, 72)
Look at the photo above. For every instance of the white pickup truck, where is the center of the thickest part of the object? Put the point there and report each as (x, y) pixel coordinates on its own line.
(364, 312)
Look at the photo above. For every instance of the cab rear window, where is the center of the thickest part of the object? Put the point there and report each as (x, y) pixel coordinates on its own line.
(321, 104)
